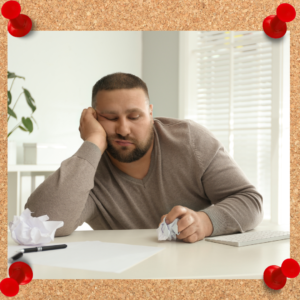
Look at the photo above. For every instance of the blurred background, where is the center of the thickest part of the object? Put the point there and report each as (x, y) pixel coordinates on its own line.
(235, 83)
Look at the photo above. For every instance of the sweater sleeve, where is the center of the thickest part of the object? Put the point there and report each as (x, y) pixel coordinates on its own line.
(64, 196)
(236, 204)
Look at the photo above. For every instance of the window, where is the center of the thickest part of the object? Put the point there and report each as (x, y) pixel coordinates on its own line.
(233, 84)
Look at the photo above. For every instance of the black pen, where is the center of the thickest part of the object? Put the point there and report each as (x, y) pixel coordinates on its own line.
(36, 249)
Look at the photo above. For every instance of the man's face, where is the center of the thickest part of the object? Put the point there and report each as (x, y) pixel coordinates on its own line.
(127, 120)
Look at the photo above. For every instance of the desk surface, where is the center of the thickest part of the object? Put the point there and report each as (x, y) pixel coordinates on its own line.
(179, 260)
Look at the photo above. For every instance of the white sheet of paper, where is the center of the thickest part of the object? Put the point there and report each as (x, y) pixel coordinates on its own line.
(90, 255)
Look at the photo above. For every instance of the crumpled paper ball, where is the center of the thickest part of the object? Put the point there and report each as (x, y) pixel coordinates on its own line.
(168, 231)
(30, 231)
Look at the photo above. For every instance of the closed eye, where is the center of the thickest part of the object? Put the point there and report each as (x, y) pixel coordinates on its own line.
(117, 119)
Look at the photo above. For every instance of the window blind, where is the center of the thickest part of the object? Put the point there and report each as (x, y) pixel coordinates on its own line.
(234, 99)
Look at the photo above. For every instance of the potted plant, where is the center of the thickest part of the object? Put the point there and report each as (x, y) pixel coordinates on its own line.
(25, 124)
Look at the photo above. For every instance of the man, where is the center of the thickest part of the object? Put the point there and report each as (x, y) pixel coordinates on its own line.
(133, 170)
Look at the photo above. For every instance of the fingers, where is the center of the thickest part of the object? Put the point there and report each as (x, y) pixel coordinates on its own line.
(87, 111)
(161, 220)
(190, 235)
(190, 224)
(95, 113)
(176, 212)
(82, 116)
(184, 223)
(192, 238)
(190, 229)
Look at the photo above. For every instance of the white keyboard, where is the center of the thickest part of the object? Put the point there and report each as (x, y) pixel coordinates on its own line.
(250, 238)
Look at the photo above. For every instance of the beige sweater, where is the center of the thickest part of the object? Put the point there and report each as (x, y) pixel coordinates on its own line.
(189, 167)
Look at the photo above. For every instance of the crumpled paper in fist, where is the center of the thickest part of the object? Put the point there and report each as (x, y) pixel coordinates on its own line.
(168, 231)
(30, 231)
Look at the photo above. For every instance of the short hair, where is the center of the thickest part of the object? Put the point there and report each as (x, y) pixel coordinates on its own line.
(118, 81)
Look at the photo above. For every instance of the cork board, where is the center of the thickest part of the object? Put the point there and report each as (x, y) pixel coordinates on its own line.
(156, 15)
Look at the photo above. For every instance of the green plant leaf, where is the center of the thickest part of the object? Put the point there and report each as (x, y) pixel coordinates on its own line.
(34, 120)
(13, 75)
(29, 99)
(11, 112)
(28, 124)
(22, 128)
(8, 97)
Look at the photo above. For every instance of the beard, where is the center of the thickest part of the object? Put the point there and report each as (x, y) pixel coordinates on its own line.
(123, 155)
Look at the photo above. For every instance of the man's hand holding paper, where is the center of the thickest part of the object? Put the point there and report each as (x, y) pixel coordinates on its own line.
(193, 226)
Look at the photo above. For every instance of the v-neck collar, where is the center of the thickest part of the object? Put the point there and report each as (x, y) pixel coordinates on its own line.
(154, 154)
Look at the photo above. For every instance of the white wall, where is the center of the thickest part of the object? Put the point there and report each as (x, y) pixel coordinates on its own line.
(160, 71)
(61, 68)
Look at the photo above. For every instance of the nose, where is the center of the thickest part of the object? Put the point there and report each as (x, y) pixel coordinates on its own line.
(123, 127)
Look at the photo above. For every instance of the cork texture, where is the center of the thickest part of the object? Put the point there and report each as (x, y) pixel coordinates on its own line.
(156, 15)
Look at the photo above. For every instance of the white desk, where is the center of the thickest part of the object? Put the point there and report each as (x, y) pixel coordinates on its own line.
(179, 260)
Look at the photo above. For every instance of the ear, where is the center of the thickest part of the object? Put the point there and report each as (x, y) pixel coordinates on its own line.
(151, 112)
(151, 109)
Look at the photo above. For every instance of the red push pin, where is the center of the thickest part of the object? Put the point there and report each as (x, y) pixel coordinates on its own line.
(20, 273)
(19, 24)
(9, 287)
(275, 26)
(275, 277)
